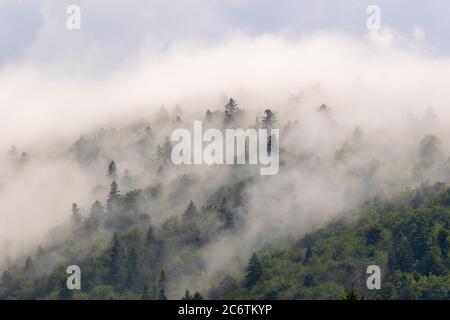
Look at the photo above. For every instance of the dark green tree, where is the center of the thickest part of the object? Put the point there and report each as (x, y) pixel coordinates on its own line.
(226, 215)
(187, 295)
(162, 286)
(93, 221)
(29, 265)
(253, 272)
(117, 264)
(132, 268)
(197, 296)
(443, 242)
(146, 293)
(113, 196)
(150, 238)
(191, 212)
(308, 255)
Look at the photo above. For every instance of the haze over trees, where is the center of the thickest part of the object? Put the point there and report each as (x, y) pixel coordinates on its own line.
(345, 198)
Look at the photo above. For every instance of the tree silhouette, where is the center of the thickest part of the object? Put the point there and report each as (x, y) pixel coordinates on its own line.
(112, 170)
(253, 272)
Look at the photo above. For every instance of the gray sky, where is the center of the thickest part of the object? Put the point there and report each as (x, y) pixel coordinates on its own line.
(113, 30)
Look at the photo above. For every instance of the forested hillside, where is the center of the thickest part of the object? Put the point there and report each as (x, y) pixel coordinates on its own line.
(152, 230)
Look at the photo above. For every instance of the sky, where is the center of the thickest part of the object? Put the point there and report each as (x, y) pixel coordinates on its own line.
(113, 30)
(127, 52)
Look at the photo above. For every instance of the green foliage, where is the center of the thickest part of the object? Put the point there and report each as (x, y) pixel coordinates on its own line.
(406, 235)
(406, 238)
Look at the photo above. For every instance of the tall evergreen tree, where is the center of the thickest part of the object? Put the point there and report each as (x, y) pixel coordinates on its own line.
(308, 255)
(146, 293)
(93, 221)
(132, 268)
(443, 242)
(226, 215)
(76, 215)
(112, 196)
(209, 115)
(187, 295)
(191, 212)
(197, 296)
(162, 286)
(231, 108)
(29, 265)
(126, 181)
(112, 170)
(117, 265)
(150, 238)
(268, 120)
(253, 272)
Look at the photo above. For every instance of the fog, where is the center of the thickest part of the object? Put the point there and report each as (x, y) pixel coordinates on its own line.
(387, 85)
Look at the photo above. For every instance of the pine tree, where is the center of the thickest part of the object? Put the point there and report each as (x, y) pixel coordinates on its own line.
(29, 265)
(191, 212)
(308, 255)
(146, 293)
(162, 285)
(112, 170)
(253, 272)
(167, 149)
(132, 268)
(187, 295)
(226, 215)
(231, 108)
(268, 120)
(197, 296)
(93, 221)
(76, 216)
(112, 196)
(126, 180)
(443, 242)
(162, 294)
(350, 295)
(209, 115)
(164, 152)
(64, 293)
(150, 238)
(117, 263)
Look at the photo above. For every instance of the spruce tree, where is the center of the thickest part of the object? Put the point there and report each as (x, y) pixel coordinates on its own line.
(112, 196)
(126, 181)
(29, 265)
(132, 268)
(93, 221)
(209, 116)
(191, 212)
(117, 263)
(253, 272)
(76, 215)
(162, 285)
(150, 238)
(308, 255)
(231, 108)
(197, 296)
(187, 295)
(112, 170)
(268, 120)
(146, 293)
